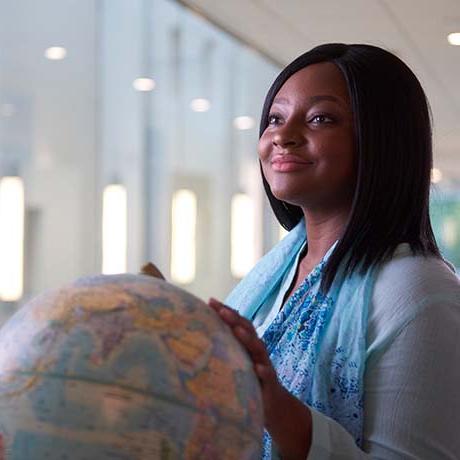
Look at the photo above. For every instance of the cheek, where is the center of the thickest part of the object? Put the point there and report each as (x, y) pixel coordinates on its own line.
(265, 170)
(346, 168)
(263, 148)
(338, 150)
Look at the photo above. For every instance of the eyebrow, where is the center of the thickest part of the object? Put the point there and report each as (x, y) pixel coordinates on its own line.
(312, 99)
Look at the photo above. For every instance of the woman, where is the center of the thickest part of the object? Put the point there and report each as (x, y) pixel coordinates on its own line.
(352, 320)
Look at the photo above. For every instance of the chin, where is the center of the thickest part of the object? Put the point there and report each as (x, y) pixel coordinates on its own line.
(289, 196)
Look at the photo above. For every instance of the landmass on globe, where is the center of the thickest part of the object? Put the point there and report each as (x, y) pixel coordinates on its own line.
(125, 367)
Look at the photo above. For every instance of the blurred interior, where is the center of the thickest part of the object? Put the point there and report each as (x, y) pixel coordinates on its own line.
(128, 130)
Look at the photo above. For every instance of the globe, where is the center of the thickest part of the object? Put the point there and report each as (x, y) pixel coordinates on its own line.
(125, 367)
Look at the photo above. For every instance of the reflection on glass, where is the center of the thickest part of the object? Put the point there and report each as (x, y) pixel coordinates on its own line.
(183, 244)
(11, 238)
(114, 229)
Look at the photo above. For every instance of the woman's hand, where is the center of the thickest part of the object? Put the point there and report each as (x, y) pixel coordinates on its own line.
(244, 331)
(287, 419)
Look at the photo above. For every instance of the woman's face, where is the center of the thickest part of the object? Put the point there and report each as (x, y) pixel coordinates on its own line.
(307, 151)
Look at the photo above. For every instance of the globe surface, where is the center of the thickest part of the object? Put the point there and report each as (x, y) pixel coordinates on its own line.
(125, 367)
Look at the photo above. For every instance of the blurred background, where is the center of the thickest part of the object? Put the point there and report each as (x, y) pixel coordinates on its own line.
(128, 130)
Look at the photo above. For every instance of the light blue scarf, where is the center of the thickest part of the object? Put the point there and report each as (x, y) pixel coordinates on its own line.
(317, 342)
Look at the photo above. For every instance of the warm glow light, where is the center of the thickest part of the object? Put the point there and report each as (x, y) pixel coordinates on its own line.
(436, 175)
(144, 84)
(454, 38)
(183, 242)
(114, 229)
(243, 248)
(11, 238)
(200, 105)
(55, 53)
(243, 122)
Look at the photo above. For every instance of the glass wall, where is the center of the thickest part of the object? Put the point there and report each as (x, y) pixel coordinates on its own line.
(144, 95)
(196, 131)
(48, 127)
(130, 129)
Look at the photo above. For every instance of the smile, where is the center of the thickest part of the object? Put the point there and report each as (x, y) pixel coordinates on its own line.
(288, 163)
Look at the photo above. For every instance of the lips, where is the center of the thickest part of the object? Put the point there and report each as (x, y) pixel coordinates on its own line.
(288, 163)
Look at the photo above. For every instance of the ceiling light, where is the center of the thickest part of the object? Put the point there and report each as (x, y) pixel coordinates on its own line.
(243, 122)
(144, 84)
(55, 53)
(200, 105)
(436, 175)
(454, 38)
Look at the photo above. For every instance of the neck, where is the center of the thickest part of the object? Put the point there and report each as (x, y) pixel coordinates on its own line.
(323, 230)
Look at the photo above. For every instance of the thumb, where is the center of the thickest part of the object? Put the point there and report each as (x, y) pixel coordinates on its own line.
(150, 269)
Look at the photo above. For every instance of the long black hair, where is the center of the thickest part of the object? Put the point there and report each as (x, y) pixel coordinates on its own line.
(394, 157)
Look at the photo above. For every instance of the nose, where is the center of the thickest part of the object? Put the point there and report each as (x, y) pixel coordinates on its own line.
(287, 135)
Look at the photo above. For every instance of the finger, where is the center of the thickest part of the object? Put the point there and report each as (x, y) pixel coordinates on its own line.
(151, 270)
(265, 373)
(215, 304)
(231, 316)
(254, 346)
(234, 319)
(244, 331)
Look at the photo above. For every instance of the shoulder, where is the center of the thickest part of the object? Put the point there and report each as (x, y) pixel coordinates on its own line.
(408, 286)
(414, 275)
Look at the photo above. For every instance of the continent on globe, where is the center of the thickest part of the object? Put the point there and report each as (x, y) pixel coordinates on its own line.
(125, 367)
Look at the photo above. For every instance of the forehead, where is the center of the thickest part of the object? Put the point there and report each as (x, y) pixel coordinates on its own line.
(322, 79)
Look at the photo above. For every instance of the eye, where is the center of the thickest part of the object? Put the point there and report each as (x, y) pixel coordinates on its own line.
(321, 119)
(274, 119)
